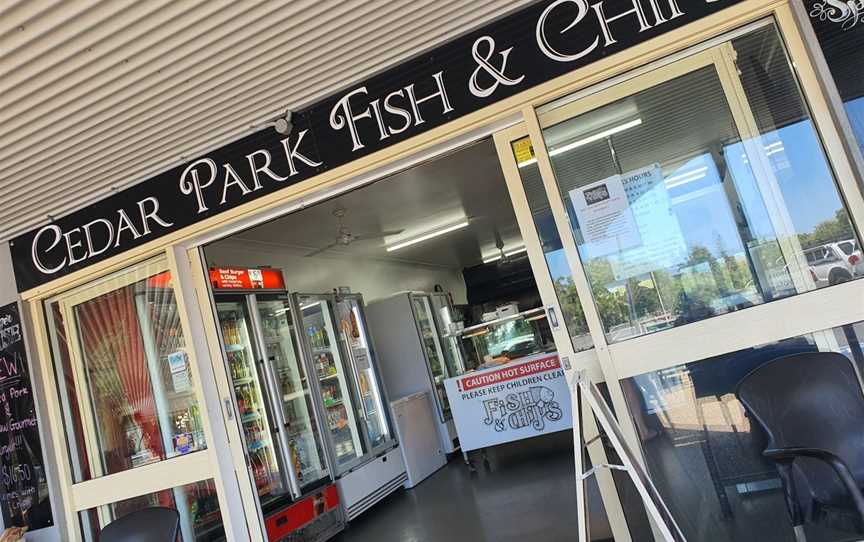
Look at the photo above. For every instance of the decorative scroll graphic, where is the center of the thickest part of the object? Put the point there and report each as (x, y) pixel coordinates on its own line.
(24, 499)
(846, 13)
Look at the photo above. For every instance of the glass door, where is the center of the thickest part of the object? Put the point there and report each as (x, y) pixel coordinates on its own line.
(332, 375)
(130, 398)
(299, 428)
(250, 394)
(453, 359)
(435, 360)
(352, 329)
(693, 206)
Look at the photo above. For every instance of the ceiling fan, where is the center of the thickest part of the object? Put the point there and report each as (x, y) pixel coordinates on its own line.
(503, 257)
(345, 237)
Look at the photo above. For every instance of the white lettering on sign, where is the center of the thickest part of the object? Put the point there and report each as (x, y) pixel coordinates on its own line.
(490, 65)
(347, 113)
(78, 244)
(583, 8)
(201, 174)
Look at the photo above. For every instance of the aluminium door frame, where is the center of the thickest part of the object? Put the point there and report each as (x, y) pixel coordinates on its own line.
(165, 475)
(234, 457)
(572, 362)
(757, 325)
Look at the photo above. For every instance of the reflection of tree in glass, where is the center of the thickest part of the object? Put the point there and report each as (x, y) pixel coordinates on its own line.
(830, 231)
(706, 283)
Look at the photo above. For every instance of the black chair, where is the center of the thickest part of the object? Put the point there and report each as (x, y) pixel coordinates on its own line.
(155, 524)
(811, 407)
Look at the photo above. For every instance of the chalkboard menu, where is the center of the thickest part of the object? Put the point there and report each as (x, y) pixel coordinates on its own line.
(24, 498)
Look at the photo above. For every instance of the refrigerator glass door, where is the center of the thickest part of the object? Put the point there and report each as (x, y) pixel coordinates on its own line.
(292, 394)
(352, 327)
(432, 348)
(450, 343)
(262, 453)
(332, 375)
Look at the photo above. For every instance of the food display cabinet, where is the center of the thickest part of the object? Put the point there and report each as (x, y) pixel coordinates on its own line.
(508, 338)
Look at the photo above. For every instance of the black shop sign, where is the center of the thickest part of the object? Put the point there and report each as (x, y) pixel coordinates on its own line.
(24, 499)
(517, 52)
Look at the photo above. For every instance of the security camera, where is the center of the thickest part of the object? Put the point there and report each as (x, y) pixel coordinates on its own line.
(283, 125)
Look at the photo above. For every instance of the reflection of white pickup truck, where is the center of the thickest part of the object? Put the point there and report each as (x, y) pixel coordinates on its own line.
(835, 262)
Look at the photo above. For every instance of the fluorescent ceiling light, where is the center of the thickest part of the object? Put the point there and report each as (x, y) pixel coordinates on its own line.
(427, 236)
(497, 257)
(684, 178)
(590, 139)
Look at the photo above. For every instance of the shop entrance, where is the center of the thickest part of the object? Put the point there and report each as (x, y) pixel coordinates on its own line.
(693, 207)
(339, 325)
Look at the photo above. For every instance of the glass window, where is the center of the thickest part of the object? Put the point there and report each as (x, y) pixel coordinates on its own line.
(703, 194)
(553, 250)
(197, 505)
(125, 384)
(704, 452)
(839, 27)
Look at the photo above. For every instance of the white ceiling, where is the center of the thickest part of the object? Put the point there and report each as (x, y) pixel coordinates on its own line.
(465, 184)
(96, 95)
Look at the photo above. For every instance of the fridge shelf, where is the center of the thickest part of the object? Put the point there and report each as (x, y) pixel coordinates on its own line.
(293, 396)
(235, 347)
(242, 381)
(257, 445)
(328, 377)
(246, 418)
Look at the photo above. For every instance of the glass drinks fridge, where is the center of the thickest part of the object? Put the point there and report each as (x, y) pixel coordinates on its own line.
(338, 346)
(275, 407)
(342, 360)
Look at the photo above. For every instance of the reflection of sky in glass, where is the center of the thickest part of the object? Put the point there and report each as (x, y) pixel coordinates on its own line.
(699, 202)
(803, 175)
(855, 110)
(558, 266)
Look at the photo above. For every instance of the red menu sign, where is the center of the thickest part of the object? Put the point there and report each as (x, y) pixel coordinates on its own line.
(240, 278)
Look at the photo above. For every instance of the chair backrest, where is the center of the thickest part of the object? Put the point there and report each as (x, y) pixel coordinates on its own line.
(155, 524)
(811, 400)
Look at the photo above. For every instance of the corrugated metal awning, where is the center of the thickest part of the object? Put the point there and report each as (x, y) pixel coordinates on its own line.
(96, 95)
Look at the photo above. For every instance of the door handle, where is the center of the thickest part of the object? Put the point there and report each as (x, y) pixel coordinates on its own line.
(229, 408)
(553, 317)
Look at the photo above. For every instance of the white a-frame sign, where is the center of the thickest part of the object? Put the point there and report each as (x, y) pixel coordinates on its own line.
(585, 392)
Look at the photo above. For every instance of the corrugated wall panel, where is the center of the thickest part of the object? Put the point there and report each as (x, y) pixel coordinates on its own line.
(98, 95)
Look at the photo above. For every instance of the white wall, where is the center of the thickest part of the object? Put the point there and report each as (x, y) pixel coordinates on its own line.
(9, 294)
(318, 274)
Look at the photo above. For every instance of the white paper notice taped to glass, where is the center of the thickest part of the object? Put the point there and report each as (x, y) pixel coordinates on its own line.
(525, 398)
(638, 233)
(605, 217)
